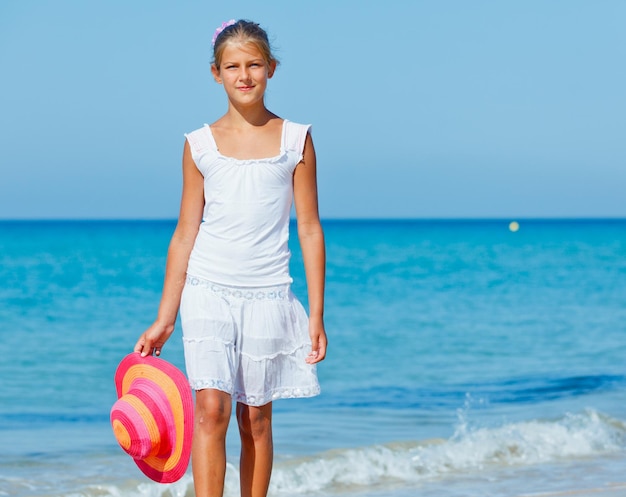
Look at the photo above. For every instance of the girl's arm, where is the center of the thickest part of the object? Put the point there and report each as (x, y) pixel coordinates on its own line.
(311, 239)
(191, 207)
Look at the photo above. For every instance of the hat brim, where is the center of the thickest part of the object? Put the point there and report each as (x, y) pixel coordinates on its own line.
(176, 388)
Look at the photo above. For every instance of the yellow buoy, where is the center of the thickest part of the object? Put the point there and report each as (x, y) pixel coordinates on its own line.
(513, 226)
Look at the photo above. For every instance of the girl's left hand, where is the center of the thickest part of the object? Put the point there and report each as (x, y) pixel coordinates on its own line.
(319, 342)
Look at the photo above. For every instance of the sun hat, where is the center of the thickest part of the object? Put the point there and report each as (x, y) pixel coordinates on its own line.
(153, 416)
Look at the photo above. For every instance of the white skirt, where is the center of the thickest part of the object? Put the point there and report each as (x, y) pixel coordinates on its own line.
(248, 342)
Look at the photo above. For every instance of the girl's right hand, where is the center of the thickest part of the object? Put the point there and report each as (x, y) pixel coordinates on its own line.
(153, 339)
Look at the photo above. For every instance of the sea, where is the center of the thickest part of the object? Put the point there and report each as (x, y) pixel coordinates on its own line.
(466, 358)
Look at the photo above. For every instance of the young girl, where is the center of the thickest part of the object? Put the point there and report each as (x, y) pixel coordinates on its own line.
(245, 335)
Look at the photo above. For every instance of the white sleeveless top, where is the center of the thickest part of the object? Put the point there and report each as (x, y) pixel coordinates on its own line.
(243, 238)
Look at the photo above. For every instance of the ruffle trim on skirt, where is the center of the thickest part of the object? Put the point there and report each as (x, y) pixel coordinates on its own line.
(258, 400)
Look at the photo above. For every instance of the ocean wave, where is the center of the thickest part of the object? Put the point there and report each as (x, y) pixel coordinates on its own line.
(469, 452)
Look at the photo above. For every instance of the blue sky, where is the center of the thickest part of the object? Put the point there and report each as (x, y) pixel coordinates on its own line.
(425, 109)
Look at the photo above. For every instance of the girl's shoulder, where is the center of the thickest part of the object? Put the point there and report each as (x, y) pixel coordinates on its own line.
(294, 135)
(201, 140)
(202, 147)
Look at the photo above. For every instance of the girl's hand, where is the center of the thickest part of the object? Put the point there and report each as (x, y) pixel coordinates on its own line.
(153, 339)
(319, 342)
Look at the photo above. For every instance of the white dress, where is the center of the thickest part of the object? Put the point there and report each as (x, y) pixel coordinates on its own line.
(244, 332)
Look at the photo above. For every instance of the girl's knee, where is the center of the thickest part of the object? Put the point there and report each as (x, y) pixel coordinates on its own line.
(212, 409)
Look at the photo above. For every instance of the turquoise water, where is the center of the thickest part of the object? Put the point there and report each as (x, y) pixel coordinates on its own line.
(464, 359)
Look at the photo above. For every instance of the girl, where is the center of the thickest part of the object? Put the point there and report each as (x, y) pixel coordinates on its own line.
(245, 335)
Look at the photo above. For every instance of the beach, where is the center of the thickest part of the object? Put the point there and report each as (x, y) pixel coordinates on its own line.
(465, 360)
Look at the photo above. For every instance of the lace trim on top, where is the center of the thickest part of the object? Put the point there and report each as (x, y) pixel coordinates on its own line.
(242, 162)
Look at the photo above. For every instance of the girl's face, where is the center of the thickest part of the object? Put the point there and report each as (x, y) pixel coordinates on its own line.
(244, 73)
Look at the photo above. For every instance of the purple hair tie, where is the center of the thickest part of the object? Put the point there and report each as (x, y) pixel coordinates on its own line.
(224, 25)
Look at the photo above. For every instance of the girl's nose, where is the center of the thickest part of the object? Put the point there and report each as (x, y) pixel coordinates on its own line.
(244, 74)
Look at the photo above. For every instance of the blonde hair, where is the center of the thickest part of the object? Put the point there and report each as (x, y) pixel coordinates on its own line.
(243, 32)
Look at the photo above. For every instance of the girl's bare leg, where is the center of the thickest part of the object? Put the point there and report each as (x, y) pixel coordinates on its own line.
(208, 452)
(257, 449)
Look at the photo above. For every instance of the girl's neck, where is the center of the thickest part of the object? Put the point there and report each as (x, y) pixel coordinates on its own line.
(244, 117)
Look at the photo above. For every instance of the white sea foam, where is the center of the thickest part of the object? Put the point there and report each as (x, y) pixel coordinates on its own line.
(468, 453)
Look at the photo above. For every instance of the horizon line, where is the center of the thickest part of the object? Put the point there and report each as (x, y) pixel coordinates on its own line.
(335, 219)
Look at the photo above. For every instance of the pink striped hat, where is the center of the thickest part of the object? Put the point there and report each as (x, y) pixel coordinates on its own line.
(153, 416)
